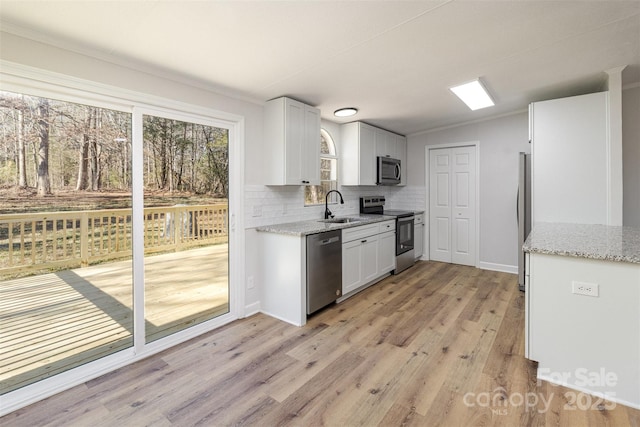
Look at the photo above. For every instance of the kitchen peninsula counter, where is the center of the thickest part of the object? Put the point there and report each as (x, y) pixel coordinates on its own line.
(599, 242)
(582, 303)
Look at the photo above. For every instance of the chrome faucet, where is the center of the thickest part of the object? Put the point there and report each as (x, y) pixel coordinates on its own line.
(327, 212)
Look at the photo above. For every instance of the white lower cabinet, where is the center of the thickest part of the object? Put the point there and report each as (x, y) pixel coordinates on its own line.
(585, 340)
(359, 263)
(367, 254)
(351, 276)
(369, 260)
(418, 235)
(386, 252)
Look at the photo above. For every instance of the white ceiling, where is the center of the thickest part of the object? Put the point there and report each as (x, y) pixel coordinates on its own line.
(393, 60)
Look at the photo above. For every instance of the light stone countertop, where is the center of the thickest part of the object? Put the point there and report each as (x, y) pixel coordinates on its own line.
(304, 228)
(601, 242)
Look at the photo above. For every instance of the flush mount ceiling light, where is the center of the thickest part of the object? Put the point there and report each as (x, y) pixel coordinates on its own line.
(473, 94)
(345, 112)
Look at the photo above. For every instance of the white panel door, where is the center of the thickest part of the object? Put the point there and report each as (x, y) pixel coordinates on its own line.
(452, 205)
(440, 204)
(463, 208)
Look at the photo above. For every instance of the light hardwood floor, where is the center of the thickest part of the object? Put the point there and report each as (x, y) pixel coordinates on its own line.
(436, 345)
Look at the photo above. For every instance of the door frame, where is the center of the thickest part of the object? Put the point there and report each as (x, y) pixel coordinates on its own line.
(427, 157)
(39, 82)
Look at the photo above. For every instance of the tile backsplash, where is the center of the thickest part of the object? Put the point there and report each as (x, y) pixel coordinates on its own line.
(266, 205)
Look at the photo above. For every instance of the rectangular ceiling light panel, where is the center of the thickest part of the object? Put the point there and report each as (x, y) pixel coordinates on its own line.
(473, 94)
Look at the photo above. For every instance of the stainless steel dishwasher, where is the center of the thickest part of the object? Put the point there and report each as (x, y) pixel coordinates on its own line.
(324, 269)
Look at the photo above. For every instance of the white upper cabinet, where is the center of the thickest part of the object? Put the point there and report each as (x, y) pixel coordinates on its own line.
(570, 150)
(292, 140)
(357, 154)
(385, 144)
(360, 146)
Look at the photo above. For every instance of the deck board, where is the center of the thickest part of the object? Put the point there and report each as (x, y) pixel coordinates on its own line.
(53, 322)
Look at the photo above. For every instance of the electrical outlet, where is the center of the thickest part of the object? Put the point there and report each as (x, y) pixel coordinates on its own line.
(584, 288)
(284, 209)
(250, 282)
(257, 210)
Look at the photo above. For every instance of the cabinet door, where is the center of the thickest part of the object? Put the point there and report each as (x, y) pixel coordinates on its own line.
(418, 240)
(401, 154)
(351, 266)
(369, 259)
(571, 173)
(295, 134)
(310, 152)
(386, 252)
(367, 156)
(385, 143)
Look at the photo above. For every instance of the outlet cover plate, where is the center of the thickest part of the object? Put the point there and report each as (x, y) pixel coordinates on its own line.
(584, 288)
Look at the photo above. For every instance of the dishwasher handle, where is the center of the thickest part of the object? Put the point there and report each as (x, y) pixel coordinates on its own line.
(329, 241)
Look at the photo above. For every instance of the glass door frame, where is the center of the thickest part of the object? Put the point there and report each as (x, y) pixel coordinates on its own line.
(37, 82)
(140, 344)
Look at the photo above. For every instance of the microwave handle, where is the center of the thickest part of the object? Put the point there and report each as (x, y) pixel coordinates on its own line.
(397, 171)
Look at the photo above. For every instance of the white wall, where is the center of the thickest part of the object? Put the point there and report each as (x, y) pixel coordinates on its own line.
(631, 155)
(501, 140)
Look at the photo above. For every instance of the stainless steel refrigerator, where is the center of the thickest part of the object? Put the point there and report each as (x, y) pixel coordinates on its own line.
(523, 211)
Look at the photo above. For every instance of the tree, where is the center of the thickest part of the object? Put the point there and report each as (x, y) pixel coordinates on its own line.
(17, 107)
(43, 182)
(95, 151)
(22, 158)
(83, 158)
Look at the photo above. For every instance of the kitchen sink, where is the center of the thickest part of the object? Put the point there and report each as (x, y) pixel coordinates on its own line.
(341, 220)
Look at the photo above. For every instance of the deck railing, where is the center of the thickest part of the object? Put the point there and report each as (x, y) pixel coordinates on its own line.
(51, 240)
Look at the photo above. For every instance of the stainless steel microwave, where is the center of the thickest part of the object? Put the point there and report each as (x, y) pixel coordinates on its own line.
(389, 171)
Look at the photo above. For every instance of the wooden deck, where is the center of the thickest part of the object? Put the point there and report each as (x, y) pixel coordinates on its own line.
(53, 322)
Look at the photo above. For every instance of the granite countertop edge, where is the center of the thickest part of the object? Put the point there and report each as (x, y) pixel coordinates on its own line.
(589, 241)
(315, 226)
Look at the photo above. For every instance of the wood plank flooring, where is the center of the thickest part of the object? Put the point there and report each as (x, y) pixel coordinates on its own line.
(436, 345)
(54, 322)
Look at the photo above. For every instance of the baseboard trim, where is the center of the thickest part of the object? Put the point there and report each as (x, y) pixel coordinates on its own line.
(251, 309)
(503, 268)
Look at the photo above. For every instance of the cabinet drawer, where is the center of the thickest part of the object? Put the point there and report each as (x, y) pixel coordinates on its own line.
(355, 233)
(386, 226)
(419, 219)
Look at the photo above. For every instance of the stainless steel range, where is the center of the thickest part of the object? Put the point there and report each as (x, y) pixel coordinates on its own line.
(374, 205)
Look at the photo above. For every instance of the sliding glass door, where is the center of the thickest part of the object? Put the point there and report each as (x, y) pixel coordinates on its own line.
(65, 237)
(186, 206)
(114, 235)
